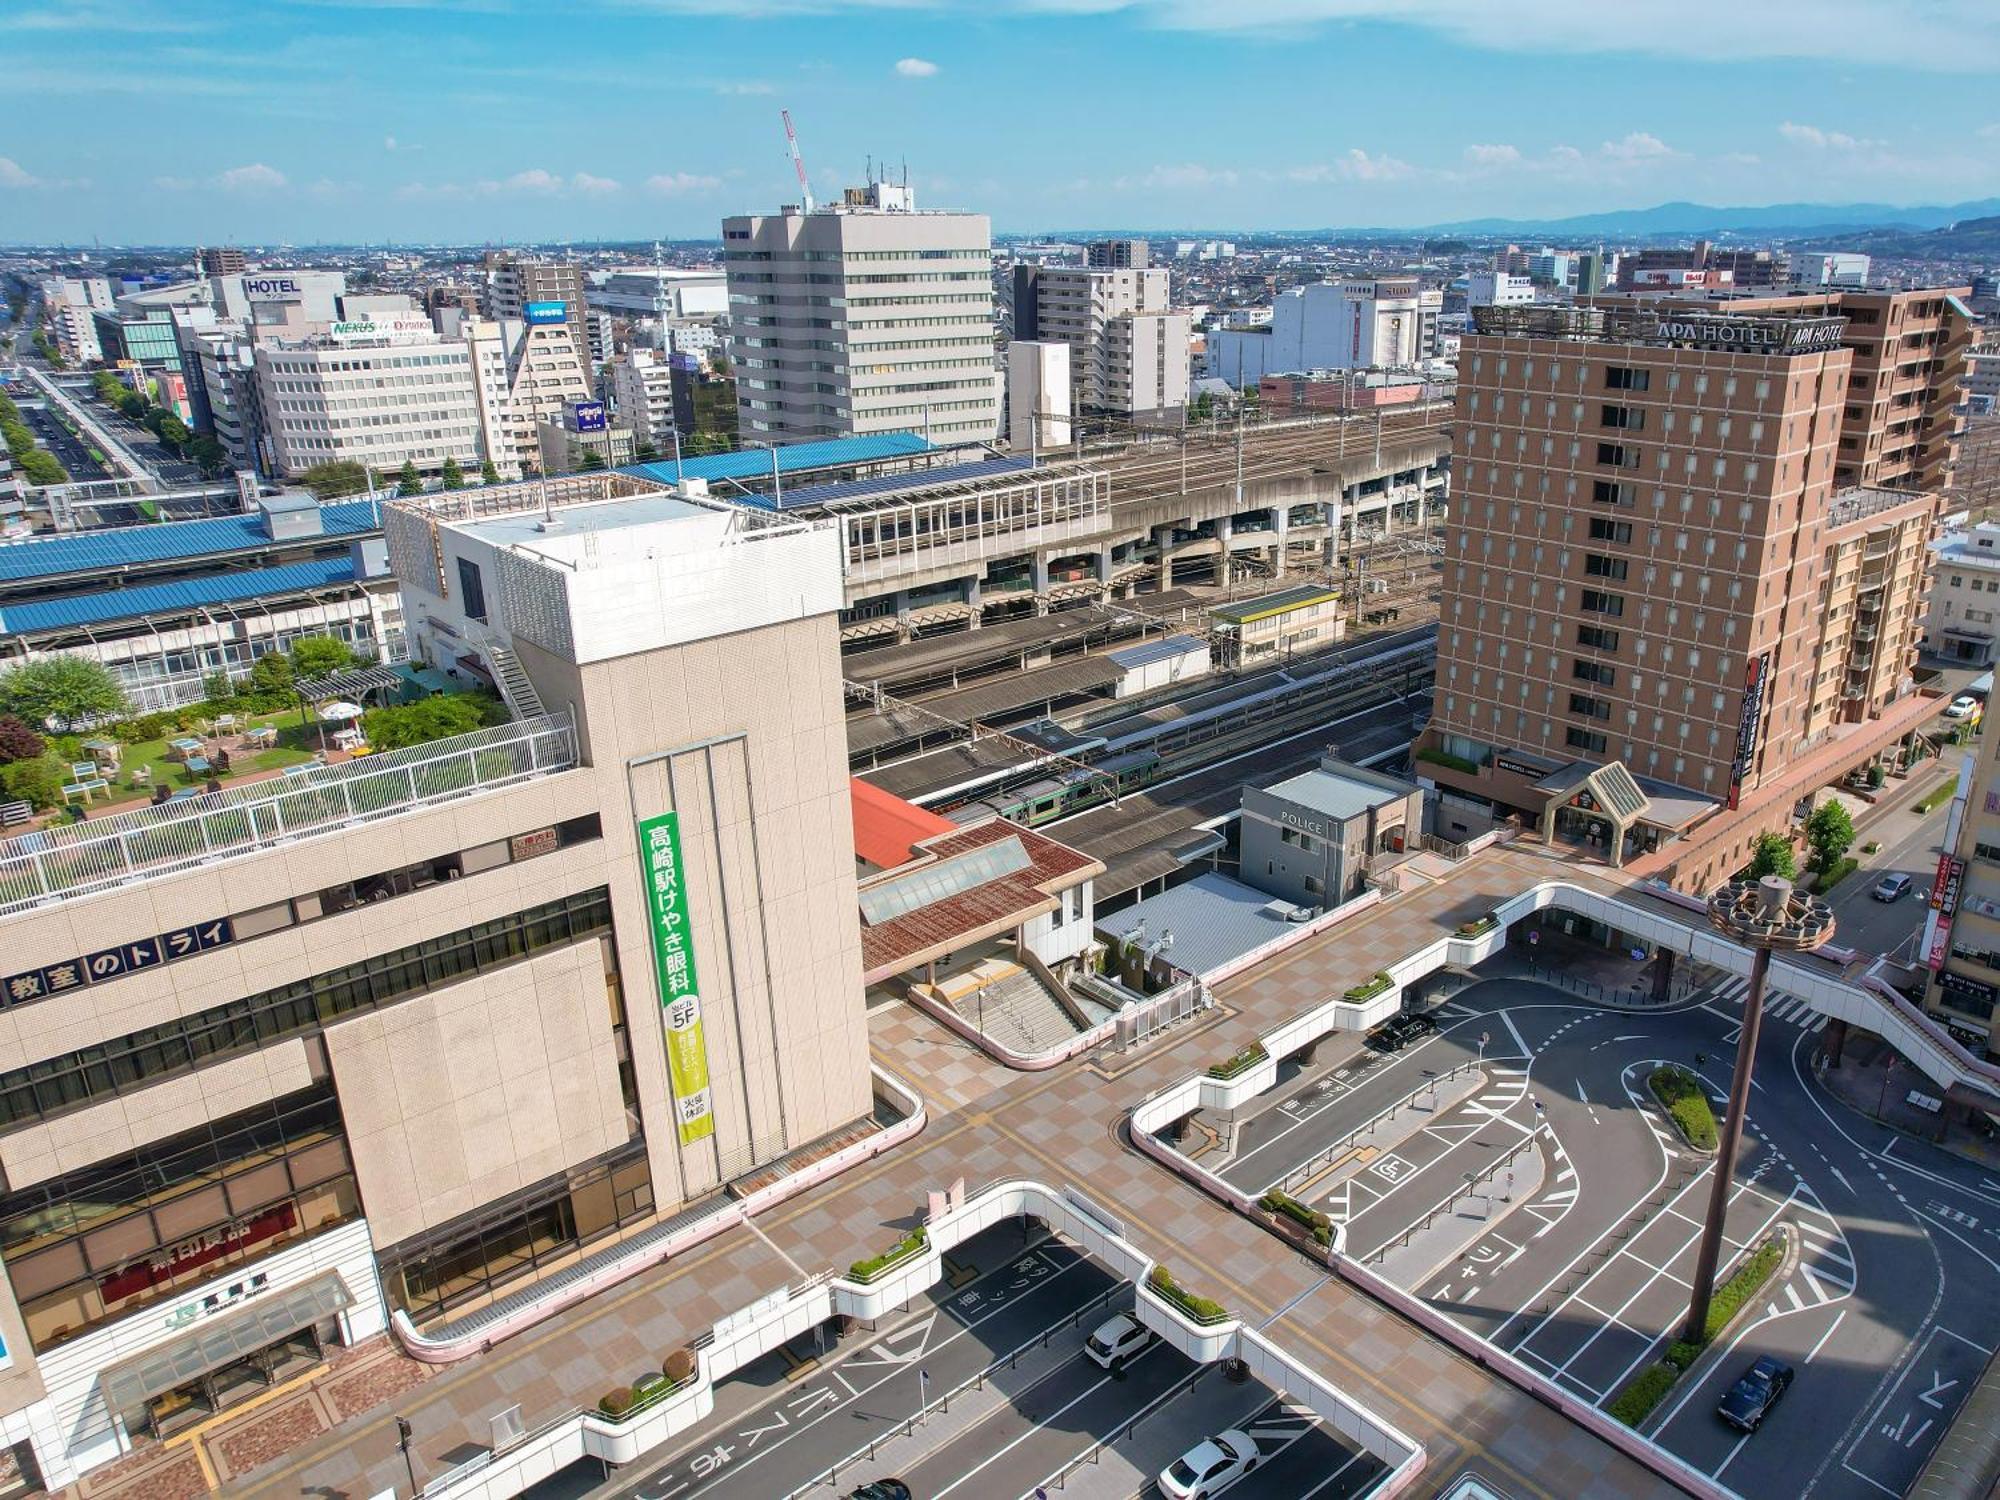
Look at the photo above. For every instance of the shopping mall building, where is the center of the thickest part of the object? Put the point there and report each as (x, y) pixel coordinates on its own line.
(409, 1030)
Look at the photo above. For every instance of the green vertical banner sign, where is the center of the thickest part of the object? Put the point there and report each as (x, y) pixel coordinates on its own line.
(673, 960)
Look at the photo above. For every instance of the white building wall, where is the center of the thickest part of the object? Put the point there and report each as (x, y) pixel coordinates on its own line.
(1064, 934)
(379, 402)
(1038, 395)
(1332, 325)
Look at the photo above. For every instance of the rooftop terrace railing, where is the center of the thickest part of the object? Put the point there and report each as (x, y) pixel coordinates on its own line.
(60, 863)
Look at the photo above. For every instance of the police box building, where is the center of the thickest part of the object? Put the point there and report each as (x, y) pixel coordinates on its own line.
(415, 1030)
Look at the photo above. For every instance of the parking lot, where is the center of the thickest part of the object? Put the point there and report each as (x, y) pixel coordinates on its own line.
(1512, 1171)
(983, 1389)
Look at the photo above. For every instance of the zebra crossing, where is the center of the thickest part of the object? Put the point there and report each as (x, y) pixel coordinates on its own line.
(1826, 1260)
(1787, 1010)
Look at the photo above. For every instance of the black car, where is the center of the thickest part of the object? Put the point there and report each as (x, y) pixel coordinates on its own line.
(1396, 1033)
(882, 1489)
(1746, 1403)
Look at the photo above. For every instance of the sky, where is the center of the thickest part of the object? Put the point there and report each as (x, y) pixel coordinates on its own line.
(295, 121)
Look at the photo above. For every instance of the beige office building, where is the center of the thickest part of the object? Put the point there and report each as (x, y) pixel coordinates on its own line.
(861, 317)
(1650, 563)
(414, 1030)
(1129, 348)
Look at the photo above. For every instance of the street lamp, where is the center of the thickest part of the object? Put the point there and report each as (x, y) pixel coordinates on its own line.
(1763, 915)
(777, 484)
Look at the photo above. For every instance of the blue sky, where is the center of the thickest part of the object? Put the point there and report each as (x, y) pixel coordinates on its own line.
(548, 119)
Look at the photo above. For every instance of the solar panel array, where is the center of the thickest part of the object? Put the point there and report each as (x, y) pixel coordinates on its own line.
(749, 463)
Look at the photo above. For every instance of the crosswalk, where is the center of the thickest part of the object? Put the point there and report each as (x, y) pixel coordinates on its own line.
(1787, 1010)
(1826, 1260)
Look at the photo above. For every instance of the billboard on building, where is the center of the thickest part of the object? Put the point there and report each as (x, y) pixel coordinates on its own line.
(673, 960)
(545, 312)
(589, 415)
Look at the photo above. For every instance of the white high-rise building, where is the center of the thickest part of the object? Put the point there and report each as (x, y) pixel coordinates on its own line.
(546, 372)
(1128, 347)
(1498, 289)
(862, 316)
(642, 389)
(70, 302)
(1333, 325)
(378, 391)
(1038, 394)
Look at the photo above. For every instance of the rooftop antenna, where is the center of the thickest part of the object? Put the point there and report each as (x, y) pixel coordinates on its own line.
(868, 168)
(798, 161)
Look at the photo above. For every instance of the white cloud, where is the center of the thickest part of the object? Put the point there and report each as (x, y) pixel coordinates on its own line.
(1358, 166)
(1823, 140)
(174, 184)
(674, 184)
(747, 87)
(596, 187)
(917, 67)
(1493, 156)
(1637, 146)
(14, 175)
(253, 178)
(1178, 178)
(388, 143)
(534, 180)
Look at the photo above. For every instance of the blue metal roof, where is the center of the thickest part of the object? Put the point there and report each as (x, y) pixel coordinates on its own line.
(165, 598)
(170, 541)
(889, 484)
(749, 463)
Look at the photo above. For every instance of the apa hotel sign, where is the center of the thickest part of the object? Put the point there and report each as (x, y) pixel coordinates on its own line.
(1751, 335)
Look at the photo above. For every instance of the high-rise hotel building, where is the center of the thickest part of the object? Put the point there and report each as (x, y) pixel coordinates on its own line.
(413, 1030)
(1667, 611)
(862, 316)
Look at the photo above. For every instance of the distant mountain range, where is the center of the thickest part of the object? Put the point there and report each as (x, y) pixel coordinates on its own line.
(1786, 220)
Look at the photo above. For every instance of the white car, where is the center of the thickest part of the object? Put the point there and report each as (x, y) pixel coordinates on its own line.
(1209, 1467)
(1961, 707)
(1116, 1342)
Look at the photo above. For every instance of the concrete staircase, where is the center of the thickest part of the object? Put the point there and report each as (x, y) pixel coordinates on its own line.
(515, 685)
(1016, 1009)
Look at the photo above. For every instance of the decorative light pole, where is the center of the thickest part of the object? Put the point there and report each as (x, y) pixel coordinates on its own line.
(1765, 916)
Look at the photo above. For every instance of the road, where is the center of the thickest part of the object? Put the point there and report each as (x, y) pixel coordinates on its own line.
(60, 441)
(1886, 1303)
(1024, 1405)
(1910, 845)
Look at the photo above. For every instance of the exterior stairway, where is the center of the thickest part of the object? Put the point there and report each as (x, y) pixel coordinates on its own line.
(515, 685)
(1015, 1009)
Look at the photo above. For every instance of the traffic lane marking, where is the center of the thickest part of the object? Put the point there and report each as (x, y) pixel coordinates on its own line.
(1919, 1404)
(703, 1464)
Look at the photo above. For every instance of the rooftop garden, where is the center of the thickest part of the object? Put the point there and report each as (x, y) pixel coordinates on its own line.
(113, 759)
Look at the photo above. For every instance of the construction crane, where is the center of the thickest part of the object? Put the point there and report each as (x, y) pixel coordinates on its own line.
(798, 161)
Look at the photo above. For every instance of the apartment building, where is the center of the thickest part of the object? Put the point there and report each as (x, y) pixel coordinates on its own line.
(860, 317)
(71, 303)
(642, 391)
(1651, 567)
(513, 281)
(1117, 255)
(1128, 346)
(406, 1033)
(548, 370)
(1333, 325)
(221, 260)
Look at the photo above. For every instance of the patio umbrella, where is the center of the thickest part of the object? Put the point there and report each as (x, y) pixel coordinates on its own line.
(339, 709)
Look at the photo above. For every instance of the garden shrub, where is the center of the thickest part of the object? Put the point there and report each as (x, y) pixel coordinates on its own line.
(1685, 1099)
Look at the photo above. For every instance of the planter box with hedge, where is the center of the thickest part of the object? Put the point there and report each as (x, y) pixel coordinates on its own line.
(1196, 1309)
(1369, 988)
(1310, 1219)
(1248, 1058)
(1680, 1093)
(876, 1266)
(625, 1403)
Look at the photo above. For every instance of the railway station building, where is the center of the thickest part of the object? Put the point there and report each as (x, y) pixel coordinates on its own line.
(404, 1034)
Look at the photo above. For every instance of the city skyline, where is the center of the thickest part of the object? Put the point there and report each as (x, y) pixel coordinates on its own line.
(415, 124)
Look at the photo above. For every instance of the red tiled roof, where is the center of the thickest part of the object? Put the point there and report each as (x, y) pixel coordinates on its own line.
(886, 828)
(917, 936)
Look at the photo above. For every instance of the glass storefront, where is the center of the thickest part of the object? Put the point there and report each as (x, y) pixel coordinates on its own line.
(478, 1254)
(96, 1244)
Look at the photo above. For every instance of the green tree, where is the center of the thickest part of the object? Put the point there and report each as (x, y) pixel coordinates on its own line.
(320, 656)
(132, 404)
(1828, 833)
(451, 476)
(218, 687)
(60, 690)
(591, 461)
(427, 719)
(39, 781)
(39, 467)
(208, 454)
(1772, 855)
(271, 673)
(408, 480)
(487, 473)
(336, 477)
(643, 452)
(174, 433)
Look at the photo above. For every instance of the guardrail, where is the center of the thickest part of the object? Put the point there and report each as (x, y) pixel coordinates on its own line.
(1324, 1159)
(76, 860)
(1450, 1201)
